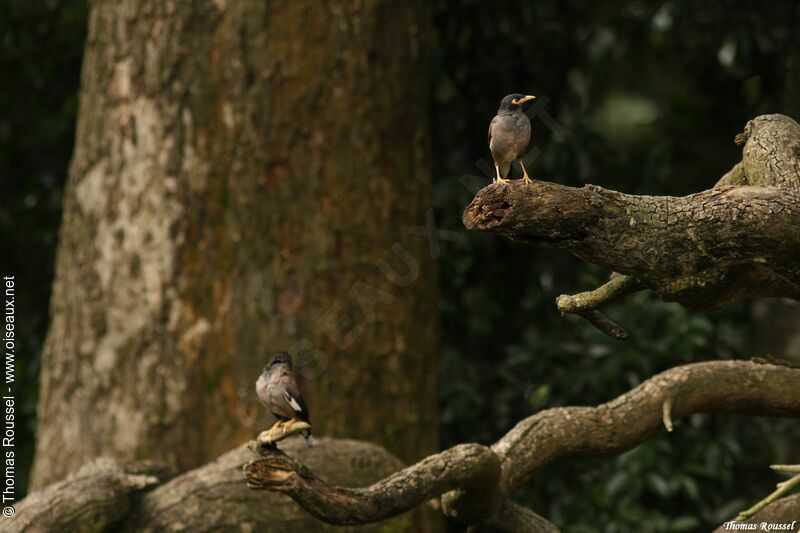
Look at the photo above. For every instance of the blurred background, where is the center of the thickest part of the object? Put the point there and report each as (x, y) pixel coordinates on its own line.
(648, 97)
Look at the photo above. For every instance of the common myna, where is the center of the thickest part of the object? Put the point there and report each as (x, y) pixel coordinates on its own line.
(278, 391)
(509, 135)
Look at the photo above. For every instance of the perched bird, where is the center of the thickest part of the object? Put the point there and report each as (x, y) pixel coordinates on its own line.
(509, 135)
(278, 391)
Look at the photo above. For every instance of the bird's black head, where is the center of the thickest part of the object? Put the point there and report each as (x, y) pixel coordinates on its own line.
(512, 102)
(280, 358)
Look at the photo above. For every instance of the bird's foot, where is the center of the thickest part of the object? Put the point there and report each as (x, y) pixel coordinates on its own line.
(502, 181)
(286, 429)
(275, 427)
(525, 179)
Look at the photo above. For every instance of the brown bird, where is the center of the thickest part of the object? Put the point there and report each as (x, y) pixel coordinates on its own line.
(279, 392)
(509, 135)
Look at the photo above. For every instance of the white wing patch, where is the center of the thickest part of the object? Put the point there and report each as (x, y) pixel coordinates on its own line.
(292, 402)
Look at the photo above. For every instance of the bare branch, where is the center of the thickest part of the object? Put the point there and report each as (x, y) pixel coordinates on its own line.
(183, 503)
(729, 243)
(585, 304)
(604, 324)
(467, 476)
(609, 292)
(787, 469)
(467, 466)
(473, 480)
(104, 494)
(621, 424)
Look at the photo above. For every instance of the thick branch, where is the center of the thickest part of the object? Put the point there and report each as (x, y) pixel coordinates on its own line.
(467, 466)
(619, 425)
(469, 471)
(185, 500)
(107, 495)
(702, 250)
(100, 493)
(725, 244)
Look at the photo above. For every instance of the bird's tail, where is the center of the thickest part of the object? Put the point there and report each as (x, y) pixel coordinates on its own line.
(504, 168)
(306, 434)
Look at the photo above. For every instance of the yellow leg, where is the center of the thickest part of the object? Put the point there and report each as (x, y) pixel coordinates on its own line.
(274, 428)
(525, 177)
(497, 171)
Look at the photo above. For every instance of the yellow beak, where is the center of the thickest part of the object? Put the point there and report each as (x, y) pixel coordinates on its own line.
(527, 97)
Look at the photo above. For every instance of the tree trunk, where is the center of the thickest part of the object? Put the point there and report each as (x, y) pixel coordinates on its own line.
(244, 178)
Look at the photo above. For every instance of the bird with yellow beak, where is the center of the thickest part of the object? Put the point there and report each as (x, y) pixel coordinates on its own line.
(509, 135)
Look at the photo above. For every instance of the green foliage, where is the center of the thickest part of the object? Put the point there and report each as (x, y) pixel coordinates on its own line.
(649, 96)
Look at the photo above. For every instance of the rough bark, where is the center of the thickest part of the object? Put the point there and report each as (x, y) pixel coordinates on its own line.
(243, 181)
(466, 466)
(733, 242)
(474, 481)
(95, 498)
(617, 426)
(108, 495)
(554, 434)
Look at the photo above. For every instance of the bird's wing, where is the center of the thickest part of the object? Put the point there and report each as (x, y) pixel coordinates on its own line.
(294, 398)
(489, 135)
